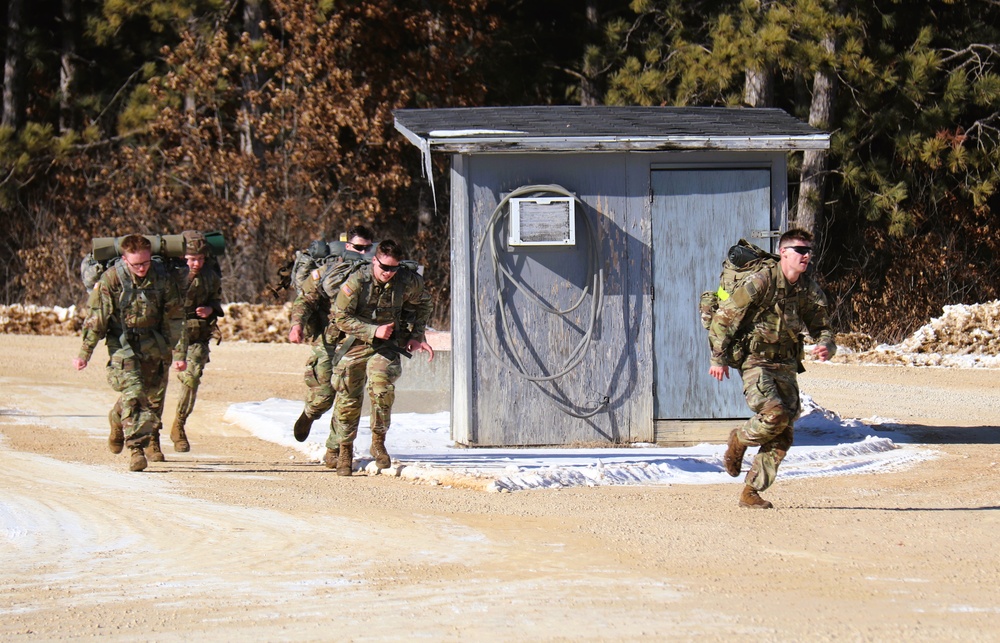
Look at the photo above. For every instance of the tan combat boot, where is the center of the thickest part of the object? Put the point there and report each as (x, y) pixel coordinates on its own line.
(382, 459)
(733, 458)
(116, 441)
(330, 458)
(345, 460)
(750, 498)
(153, 452)
(302, 427)
(179, 437)
(138, 461)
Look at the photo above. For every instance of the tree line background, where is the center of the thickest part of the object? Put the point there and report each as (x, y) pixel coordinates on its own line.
(271, 120)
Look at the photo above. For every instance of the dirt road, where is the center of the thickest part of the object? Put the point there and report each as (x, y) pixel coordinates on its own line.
(241, 539)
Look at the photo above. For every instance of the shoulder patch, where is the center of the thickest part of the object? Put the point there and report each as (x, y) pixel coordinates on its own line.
(315, 274)
(96, 286)
(346, 288)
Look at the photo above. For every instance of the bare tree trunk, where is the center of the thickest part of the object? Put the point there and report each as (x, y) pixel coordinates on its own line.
(758, 88)
(253, 15)
(590, 83)
(758, 83)
(13, 69)
(809, 212)
(251, 271)
(67, 67)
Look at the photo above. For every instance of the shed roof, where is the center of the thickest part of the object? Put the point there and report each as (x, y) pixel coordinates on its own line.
(608, 129)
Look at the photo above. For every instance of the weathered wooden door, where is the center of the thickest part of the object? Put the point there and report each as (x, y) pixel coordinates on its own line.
(696, 215)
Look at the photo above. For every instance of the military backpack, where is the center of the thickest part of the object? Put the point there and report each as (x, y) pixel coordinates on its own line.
(167, 253)
(329, 264)
(742, 260)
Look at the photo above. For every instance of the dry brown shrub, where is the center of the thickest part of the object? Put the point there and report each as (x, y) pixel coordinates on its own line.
(855, 342)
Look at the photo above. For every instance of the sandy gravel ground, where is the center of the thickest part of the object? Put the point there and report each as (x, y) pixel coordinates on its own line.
(242, 540)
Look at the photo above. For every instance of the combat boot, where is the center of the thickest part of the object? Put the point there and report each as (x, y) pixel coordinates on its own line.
(302, 427)
(733, 458)
(116, 441)
(153, 452)
(750, 498)
(179, 437)
(382, 459)
(138, 461)
(345, 460)
(330, 458)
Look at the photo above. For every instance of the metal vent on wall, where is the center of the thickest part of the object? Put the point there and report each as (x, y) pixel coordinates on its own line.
(542, 221)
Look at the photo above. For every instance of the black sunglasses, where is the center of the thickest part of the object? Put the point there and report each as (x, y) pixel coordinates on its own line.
(387, 268)
(362, 248)
(802, 250)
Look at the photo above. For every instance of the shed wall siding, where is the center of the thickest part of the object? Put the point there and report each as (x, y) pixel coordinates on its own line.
(507, 408)
(492, 405)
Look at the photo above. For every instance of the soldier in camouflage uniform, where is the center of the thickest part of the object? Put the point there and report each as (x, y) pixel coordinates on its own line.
(202, 290)
(310, 319)
(136, 308)
(770, 311)
(379, 309)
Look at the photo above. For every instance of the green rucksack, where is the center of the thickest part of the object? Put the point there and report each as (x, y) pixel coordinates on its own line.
(742, 260)
(166, 250)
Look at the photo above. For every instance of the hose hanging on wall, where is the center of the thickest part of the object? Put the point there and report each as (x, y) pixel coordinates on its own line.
(595, 288)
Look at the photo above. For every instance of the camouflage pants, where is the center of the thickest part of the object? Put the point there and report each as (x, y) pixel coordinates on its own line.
(772, 392)
(359, 366)
(143, 385)
(190, 378)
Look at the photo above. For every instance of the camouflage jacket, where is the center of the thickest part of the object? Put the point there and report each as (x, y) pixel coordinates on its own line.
(311, 308)
(363, 304)
(771, 316)
(204, 289)
(142, 318)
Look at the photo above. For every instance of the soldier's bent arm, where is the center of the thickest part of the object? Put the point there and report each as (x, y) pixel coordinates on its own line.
(308, 300)
(215, 299)
(418, 306)
(816, 315)
(172, 322)
(95, 327)
(345, 310)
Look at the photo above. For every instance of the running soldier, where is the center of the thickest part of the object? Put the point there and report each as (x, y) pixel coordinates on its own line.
(310, 319)
(202, 291)
(770, 311)
(380, 309)
(137, 310)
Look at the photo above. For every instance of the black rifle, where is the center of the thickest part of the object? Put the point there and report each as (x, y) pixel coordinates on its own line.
(384, 346)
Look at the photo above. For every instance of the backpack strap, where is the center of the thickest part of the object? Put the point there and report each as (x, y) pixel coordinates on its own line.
(338, 350)
(124, 300)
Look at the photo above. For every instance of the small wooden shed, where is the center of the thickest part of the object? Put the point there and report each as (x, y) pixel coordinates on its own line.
(581, 241)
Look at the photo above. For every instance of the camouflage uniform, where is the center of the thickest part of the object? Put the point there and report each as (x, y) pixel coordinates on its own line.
(142, 323)
(201, 289)
(770, 315)
(362, 305)
(311, 310)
